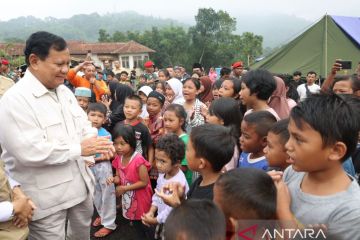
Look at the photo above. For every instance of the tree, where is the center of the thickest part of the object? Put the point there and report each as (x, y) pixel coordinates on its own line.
(251, 47)
(104, 36)
(211, 41)
(211, 32)
(119, 37)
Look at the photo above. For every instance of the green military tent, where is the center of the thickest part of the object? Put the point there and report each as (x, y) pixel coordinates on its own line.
(333, 37)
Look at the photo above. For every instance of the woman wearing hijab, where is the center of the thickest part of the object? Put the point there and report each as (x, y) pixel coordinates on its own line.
(205, 94)
(143, 93)
(278, 100)
(118, 94)
(113, 103)
(173, 91)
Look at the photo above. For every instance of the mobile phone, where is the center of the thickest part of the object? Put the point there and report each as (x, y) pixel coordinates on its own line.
(345, 64)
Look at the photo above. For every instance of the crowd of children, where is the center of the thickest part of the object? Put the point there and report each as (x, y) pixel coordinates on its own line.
(194, 157)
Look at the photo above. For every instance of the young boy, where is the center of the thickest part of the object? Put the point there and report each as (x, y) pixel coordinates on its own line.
(323, 133)
(104, 196)
(132, 110)
(254, 129)
(256, 88)
(209, 148)
(195, 219)
(275, 151)
(124, 78)
(83, 96)
(245, 193)
(169, 152)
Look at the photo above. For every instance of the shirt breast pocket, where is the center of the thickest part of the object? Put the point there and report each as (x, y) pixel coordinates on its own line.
(52, 128)
(78, 120)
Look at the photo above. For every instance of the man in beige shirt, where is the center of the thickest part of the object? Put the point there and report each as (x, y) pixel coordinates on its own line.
(45, 136)
(5, 84)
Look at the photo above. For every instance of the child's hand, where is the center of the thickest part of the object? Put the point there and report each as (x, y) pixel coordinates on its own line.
(283, 201)
(204, 110)
(171, 193)
(170, 98)
(283, 195)
(110, 180)
(120, 190)
(275, 175)
(116, 180)
(89, 163)
(148, 219)
(106, 102)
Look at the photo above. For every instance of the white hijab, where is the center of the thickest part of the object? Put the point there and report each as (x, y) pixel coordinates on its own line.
(176, 86)
(146, 90)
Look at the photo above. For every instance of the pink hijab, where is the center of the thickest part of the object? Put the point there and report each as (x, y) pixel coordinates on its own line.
(278, 100)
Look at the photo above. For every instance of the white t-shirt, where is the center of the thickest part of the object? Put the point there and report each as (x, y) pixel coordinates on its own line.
(314, 88)
(163, 209)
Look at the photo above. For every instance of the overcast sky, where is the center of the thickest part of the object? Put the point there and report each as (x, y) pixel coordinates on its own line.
(177, 9)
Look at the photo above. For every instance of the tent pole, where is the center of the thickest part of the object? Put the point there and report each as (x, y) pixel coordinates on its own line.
(326, 44)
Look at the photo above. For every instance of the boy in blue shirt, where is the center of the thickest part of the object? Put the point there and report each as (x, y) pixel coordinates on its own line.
(104, 196)
(254, 129)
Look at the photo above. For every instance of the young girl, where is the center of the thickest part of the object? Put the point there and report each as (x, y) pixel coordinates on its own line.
(174, 122)
(226, 112)
(143, 93)
(154, 104)
(173, 91)
(169, 151)
(115, 106)
(212, 74)
(160, 87)
(131, 178)
(193, 106)
(155, 125)
(230, 87)
(163, 75)
(215, 89)
(142, 81)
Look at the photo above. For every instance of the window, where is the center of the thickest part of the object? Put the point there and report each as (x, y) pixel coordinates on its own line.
(125, 62)
(137, 61)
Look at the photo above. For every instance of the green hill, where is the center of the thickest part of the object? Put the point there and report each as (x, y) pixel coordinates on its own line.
(276, 29)
(81, 27)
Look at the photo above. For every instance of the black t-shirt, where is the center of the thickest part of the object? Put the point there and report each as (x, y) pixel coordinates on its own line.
(200, 192)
